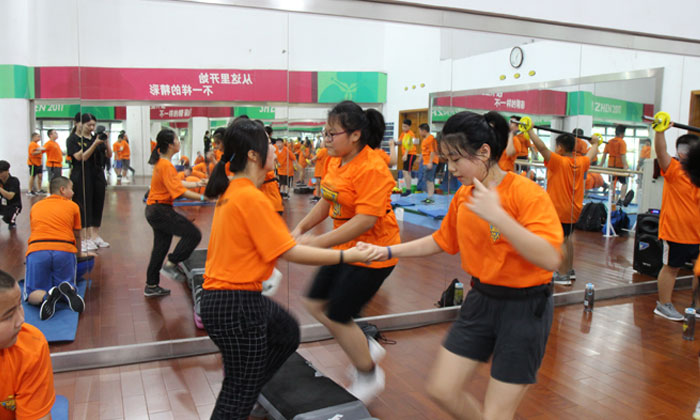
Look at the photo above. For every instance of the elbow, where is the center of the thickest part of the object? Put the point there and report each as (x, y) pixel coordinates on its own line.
(553, 261)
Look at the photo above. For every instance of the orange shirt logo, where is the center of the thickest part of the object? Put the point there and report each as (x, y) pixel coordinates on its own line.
(495, 233)
(9, 404)
(331, 196)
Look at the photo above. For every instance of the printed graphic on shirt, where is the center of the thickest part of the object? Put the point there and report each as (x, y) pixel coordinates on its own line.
(495, 233)
(331, 196)
(9, 403)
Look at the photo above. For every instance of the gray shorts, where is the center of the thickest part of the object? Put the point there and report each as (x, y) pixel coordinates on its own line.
(126, 163)
(508, 330)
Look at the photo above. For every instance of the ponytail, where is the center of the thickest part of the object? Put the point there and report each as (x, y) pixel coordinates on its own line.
(165, 138)
(466, 131)
(241, 136)
(374, 132)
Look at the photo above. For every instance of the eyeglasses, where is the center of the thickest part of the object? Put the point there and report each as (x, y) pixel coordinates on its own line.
(329, 135)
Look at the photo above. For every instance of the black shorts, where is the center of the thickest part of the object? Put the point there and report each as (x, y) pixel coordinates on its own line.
(35, 170)
(620, 179)
(284, 179)
(568, 228)
(508, 330)
(347, 288)
(676, 255)
(408, 162)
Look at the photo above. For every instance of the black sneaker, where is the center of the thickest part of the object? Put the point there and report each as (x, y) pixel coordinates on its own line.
(48, 307)
(155, 291)
(12, 226)
(41, 192)
(315, 198)
(75, 301)
(173, 272)
(406, 193)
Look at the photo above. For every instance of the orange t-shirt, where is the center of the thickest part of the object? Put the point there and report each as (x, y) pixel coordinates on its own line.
(247, 237)
(407, 142)
(565, 185)
(126, 151)
(522, 146)
(645, 153)
(594, 180)
(680, 214)
(191, 178)
(153, 146)
(198, 174)
(362, 186)
(165, 187)
(384, 155)
(271, 189)
(507, 163)
(34, 159)
(217, 154)
(616, 149)
(181, 176)
(285, 160)
(321, 157)
(54, 155)
(185, 160)
(428, 146)
(202, 168)
(26, 377)
(303, 156)
(199, 159)
(487, 254)
(53, 219)
(116, 148)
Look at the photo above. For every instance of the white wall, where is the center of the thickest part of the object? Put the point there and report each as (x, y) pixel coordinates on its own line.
(672, 17)
(14, 136)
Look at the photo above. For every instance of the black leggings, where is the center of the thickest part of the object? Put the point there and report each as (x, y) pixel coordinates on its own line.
(92, 200)
(255, 336)
(9, 213)
(166, 223)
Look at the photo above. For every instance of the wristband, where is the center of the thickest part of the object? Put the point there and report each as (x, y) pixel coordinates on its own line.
(388, 249)
(201, 197)
(341, 257)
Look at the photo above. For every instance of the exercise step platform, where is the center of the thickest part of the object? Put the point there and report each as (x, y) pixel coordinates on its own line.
(299, 392)
(194, 264)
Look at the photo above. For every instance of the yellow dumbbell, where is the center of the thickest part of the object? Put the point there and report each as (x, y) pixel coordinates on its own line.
(525, 124)
(662, 121)
(600, 138)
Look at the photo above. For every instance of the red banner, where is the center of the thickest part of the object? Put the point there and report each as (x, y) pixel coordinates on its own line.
(185, 113)
(536, 102)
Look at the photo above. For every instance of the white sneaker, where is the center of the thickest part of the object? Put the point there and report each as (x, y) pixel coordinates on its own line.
(100, 243)
(88, 245)
(376, 351)
(368, 385)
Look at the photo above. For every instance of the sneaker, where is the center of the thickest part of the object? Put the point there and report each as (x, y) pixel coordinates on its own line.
(173, 272)
(572, 275)
(12, 226)
(668, 311)
(48, 306)
(155, 291)
(100, 243)
(31, 193)
(376, 351)
(563, 280)
(75, 301)
(41, 192)
(88, 245)
(696, 414)
(405, 193)
(315, 198)
(428, 201)
(198, 322)
(367, 386)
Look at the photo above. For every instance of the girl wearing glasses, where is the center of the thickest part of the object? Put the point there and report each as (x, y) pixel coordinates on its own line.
(356, 190)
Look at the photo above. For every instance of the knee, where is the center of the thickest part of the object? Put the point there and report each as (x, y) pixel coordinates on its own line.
(439, 392)
(196, 235)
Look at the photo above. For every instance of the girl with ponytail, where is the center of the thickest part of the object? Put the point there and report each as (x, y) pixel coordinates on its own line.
(356, 191)
(508, 235)
(255, 334)
(166, 187)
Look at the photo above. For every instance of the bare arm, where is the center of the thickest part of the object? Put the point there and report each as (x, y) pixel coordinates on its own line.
(108, 151)
(7, 194)
(662, 155)
(303, 254)
(539, 144)
(85, 154)
(602, 161)
(192, 195)
(593, 150)
(393, 153)
(359, 224)
(510, 147)
(421, 247)
(317, 214)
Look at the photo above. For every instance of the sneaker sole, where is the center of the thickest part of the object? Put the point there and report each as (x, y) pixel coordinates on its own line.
(75, 301)
(47, 303)
(661, 314)
(155, 294)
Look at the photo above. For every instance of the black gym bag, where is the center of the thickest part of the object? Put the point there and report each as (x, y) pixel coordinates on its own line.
(592, 218)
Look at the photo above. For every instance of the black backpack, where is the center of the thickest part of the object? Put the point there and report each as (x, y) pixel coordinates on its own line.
(448, 296)
(592, 218)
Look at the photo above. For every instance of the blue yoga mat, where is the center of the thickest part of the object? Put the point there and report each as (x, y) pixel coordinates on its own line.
(437, 212)
(63, 325)
(59, 411)
(180, 202)
(403, 202)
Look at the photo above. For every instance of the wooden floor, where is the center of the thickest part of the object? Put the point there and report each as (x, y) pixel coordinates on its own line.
(117, 313)
(622, 362)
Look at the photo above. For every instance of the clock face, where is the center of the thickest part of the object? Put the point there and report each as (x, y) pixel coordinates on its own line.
(516, 57)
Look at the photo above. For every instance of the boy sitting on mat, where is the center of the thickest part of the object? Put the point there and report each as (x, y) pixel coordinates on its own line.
(51, 252)
(26, 376)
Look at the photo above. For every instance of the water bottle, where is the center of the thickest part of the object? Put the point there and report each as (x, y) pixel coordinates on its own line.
(589, 298)
(459, 294)
(689, 324)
